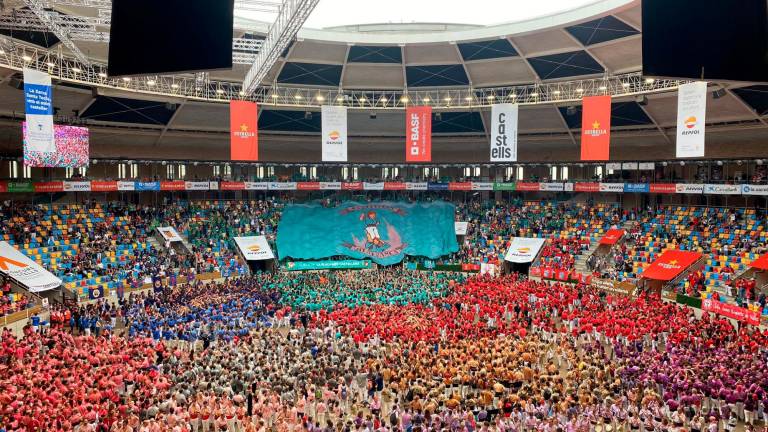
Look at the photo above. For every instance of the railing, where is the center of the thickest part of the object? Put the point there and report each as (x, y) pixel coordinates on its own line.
(21, 315)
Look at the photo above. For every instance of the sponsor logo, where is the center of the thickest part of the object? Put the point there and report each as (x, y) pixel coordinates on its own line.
(254, 248)
(334, 135)
(415, 134)
(524, 250)
(690, 122)
(243, 132)
(4, 261)
(672, 265)
(596, 130)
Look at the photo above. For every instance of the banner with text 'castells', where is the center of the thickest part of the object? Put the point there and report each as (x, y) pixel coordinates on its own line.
(384, 232)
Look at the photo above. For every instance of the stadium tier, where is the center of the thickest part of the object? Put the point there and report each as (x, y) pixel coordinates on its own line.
(400, 216)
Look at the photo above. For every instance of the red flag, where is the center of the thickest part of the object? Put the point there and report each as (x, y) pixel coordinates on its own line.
(596, 128)
(418, 134)
(244, 138)
(670, 264)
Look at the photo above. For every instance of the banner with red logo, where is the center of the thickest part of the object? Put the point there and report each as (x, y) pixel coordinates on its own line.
(232, 186)
(394, 186)
(528, 187)
(670, 264)
(177, 185)
(104, 186)
(760, 263)
(612, 236)
(587, 187)
(308, 186)
(596, 128)
(691, 119)
(55, 186)
(244, 135)
(456, 186)
(731, 311)
(665, 188)
(418, 134)
(535, 272)
(3, 187)
(352, 186)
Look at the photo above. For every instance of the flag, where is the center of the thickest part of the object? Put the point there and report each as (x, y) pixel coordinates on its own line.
(95, 293)
(691, 119)
(244, 139)
(418, 134)
(596, 128)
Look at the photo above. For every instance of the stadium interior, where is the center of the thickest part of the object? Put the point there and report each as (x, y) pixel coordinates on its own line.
(382, 226)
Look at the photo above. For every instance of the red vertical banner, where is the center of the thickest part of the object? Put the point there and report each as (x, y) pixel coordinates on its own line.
(418, 134)
(596, 128)
(244, 137)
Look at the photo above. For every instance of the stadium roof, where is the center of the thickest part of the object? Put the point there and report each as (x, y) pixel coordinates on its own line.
(546, 63)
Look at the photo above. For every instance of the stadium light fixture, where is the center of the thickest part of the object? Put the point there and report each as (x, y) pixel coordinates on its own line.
(219, 91)
(50, 64)
(76, 70)
(320, 98)
(174, 86)
(625, 85)
(556, 92)
(127, 79)
(490, 97)
(603, 88)
(426, 99)
(26, 58)
(533, 95)
(447, 99)
(338, 98)
(404, 99)
(579, 90)
(275, 95)
(151, 83)
(650, 80)
(717, 94)
(363, 99)
(297, 97)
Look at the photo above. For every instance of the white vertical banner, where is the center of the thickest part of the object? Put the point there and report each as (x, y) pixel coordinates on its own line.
(334, 121)
(504, 132)
(38, 106)
(691, 119)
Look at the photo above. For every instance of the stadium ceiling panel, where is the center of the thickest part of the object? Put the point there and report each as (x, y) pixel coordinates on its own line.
(756, 97)
(436, 76)
(484, 50)
(310, 74)
(122, 110)
(452, 122)
(565, 65)
(375, 54)
(601, 30)
(290, 121)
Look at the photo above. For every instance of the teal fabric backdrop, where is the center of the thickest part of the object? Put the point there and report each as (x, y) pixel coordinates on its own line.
(384, 232)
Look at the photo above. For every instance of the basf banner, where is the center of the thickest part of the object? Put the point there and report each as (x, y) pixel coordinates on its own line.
(244, 136)
(255, 248)
(385, 231)
(38, 106)
(418, 134)
(334, 119)
(691, 119)
(504, 132)
(596, 128)
(26, 272)
(524, 249)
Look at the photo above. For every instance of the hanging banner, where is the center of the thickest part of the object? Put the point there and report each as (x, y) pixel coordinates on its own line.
(612, 187)
(334, 120)
(77, 186)
(504, 186)
(504, 132)
(551, 187)
(437, 186)
(328, 265)
(243, 126)
(3, 187)
(459, 186)
(414, 186)
(126, 186)
(176, 185)
(232, 186)
(277, 186)
(330, 185)
(482, 186)
(26, 272)
(104, 186)
(587, 187)
(352, 186)
(665, 188)
(527, 187)
(689, 188)
(596, 128)
(197, 186)
(308, 186)
(754, 190)
(691, 119)
(38, 106)
(523, 249)
(258, 186)
(637, 187)
(373, 186)
(394, 186)
(722, 189)
(254, 248)
(630, 166)
(731, 311)
(21, 187)
(48, 187)
(418, 134)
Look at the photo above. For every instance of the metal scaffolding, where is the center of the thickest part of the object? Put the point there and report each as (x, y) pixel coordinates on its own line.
(15, 55)
(291, 17)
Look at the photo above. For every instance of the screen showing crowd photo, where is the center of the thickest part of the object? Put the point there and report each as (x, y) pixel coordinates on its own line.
(72, 149)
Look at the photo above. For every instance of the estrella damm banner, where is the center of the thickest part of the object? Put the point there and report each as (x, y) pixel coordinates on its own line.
(385, 232)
